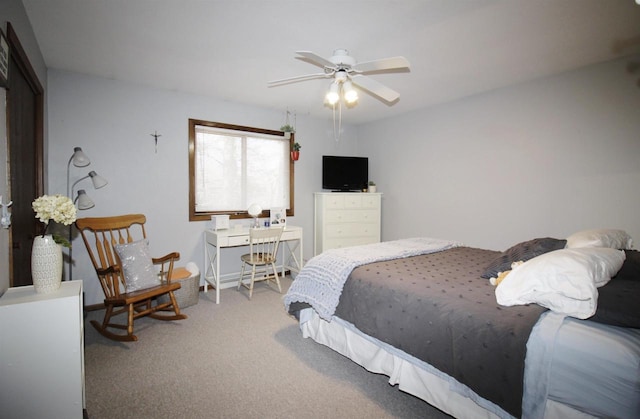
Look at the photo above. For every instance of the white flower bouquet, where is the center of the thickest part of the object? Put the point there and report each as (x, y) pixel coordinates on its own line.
(58, 208)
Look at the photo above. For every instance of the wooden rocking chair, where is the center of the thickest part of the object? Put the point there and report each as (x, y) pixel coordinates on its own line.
(101, 236)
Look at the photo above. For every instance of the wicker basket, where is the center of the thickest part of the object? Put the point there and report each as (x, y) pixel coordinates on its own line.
(188, 293)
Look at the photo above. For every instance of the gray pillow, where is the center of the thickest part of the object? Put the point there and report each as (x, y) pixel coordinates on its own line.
(137, 266)
(522, 252)
(630, 270)
(618, 300)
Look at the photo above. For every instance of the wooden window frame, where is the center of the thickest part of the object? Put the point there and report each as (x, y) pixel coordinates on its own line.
(206, 215)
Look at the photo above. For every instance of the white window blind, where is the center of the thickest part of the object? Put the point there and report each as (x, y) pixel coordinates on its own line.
(234, 169)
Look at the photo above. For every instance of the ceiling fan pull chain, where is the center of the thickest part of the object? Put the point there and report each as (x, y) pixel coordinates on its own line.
(339, 121)
(336, 136)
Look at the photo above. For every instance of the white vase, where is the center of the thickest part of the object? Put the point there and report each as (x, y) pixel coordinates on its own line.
(372, 188)
(46, 264)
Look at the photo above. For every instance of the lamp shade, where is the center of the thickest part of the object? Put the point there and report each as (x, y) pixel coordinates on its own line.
(333, 95)
(83, 200)
(98, 181)
(79, 159)
(254, 210)
(350, 94)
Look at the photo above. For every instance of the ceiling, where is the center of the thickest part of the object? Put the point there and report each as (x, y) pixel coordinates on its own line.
(231, 49)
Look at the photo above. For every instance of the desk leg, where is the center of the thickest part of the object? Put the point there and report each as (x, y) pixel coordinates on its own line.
(205, 262)
(212, 263)
(217, 275)
(298, 260)
(301, 260)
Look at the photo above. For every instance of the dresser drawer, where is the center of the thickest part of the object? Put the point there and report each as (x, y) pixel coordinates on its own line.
(351, 230)
(334, 201)
(352, 216)
(370, 200)
(340, 242)
(353, 201)
(236, 241)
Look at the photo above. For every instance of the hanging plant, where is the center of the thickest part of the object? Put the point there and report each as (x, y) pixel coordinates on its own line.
(295, 151)
(287, 127)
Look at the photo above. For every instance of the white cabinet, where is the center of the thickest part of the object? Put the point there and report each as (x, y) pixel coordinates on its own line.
(42, 353)
(345, 219)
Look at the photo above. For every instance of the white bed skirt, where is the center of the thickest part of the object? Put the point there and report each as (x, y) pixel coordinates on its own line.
(412, 375)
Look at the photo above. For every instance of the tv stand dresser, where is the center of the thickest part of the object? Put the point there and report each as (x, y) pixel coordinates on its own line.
(346, 219)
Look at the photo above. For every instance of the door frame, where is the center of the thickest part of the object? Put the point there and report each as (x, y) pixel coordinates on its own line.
(22, 60)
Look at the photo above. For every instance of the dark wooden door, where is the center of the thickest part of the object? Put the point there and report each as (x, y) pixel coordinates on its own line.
(24, 120)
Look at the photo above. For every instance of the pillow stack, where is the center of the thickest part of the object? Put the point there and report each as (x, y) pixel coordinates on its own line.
(614, 239)
(566, 279)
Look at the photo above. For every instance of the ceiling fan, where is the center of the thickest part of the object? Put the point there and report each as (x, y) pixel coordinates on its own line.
(345, 70)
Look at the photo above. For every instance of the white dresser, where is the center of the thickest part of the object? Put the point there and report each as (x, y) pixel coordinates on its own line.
(344, 219)
(42, 353)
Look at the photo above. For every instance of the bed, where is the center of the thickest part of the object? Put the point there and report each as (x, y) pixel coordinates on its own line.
(423, 312)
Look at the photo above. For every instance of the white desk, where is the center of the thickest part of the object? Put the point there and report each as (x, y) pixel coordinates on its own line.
(214, 240)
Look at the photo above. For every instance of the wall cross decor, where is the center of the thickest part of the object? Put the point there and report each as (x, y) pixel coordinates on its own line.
(155, 136)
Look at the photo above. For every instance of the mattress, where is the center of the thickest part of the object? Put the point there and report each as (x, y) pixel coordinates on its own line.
(592, 367)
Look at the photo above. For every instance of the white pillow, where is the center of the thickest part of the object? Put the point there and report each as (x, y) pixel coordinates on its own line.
(615, 239)
(564, 281)
(137, 266)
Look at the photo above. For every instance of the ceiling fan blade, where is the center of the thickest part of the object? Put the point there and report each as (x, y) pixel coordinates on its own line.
(375, 87)
(273, 83)
(315, 59)
(392, 63)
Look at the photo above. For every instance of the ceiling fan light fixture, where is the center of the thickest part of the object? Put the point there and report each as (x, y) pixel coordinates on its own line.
(333, 95)
(350, 94)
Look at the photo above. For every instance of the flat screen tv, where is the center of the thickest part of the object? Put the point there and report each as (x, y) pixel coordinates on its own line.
(342, 173)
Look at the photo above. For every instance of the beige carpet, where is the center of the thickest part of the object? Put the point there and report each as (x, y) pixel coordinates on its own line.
(238, 359)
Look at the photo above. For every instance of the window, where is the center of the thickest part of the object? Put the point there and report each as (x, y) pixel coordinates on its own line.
(232, 167)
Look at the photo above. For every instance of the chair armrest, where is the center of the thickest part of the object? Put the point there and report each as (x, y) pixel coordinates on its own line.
(108, 270)
(166, 258)
(166, 265)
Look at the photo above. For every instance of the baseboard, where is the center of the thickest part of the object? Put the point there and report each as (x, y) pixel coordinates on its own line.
(94, 307)
(100, 306)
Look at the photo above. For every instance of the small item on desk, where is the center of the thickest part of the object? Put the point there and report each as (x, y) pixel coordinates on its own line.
(278, 216)
(266, 223)
(219, 222)
(254, 211)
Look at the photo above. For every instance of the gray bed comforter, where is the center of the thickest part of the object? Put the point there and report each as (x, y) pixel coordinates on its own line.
(437, 308)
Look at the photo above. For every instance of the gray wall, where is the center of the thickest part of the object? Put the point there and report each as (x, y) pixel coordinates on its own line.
(112, 122)
(544, 158)
(547, 157)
